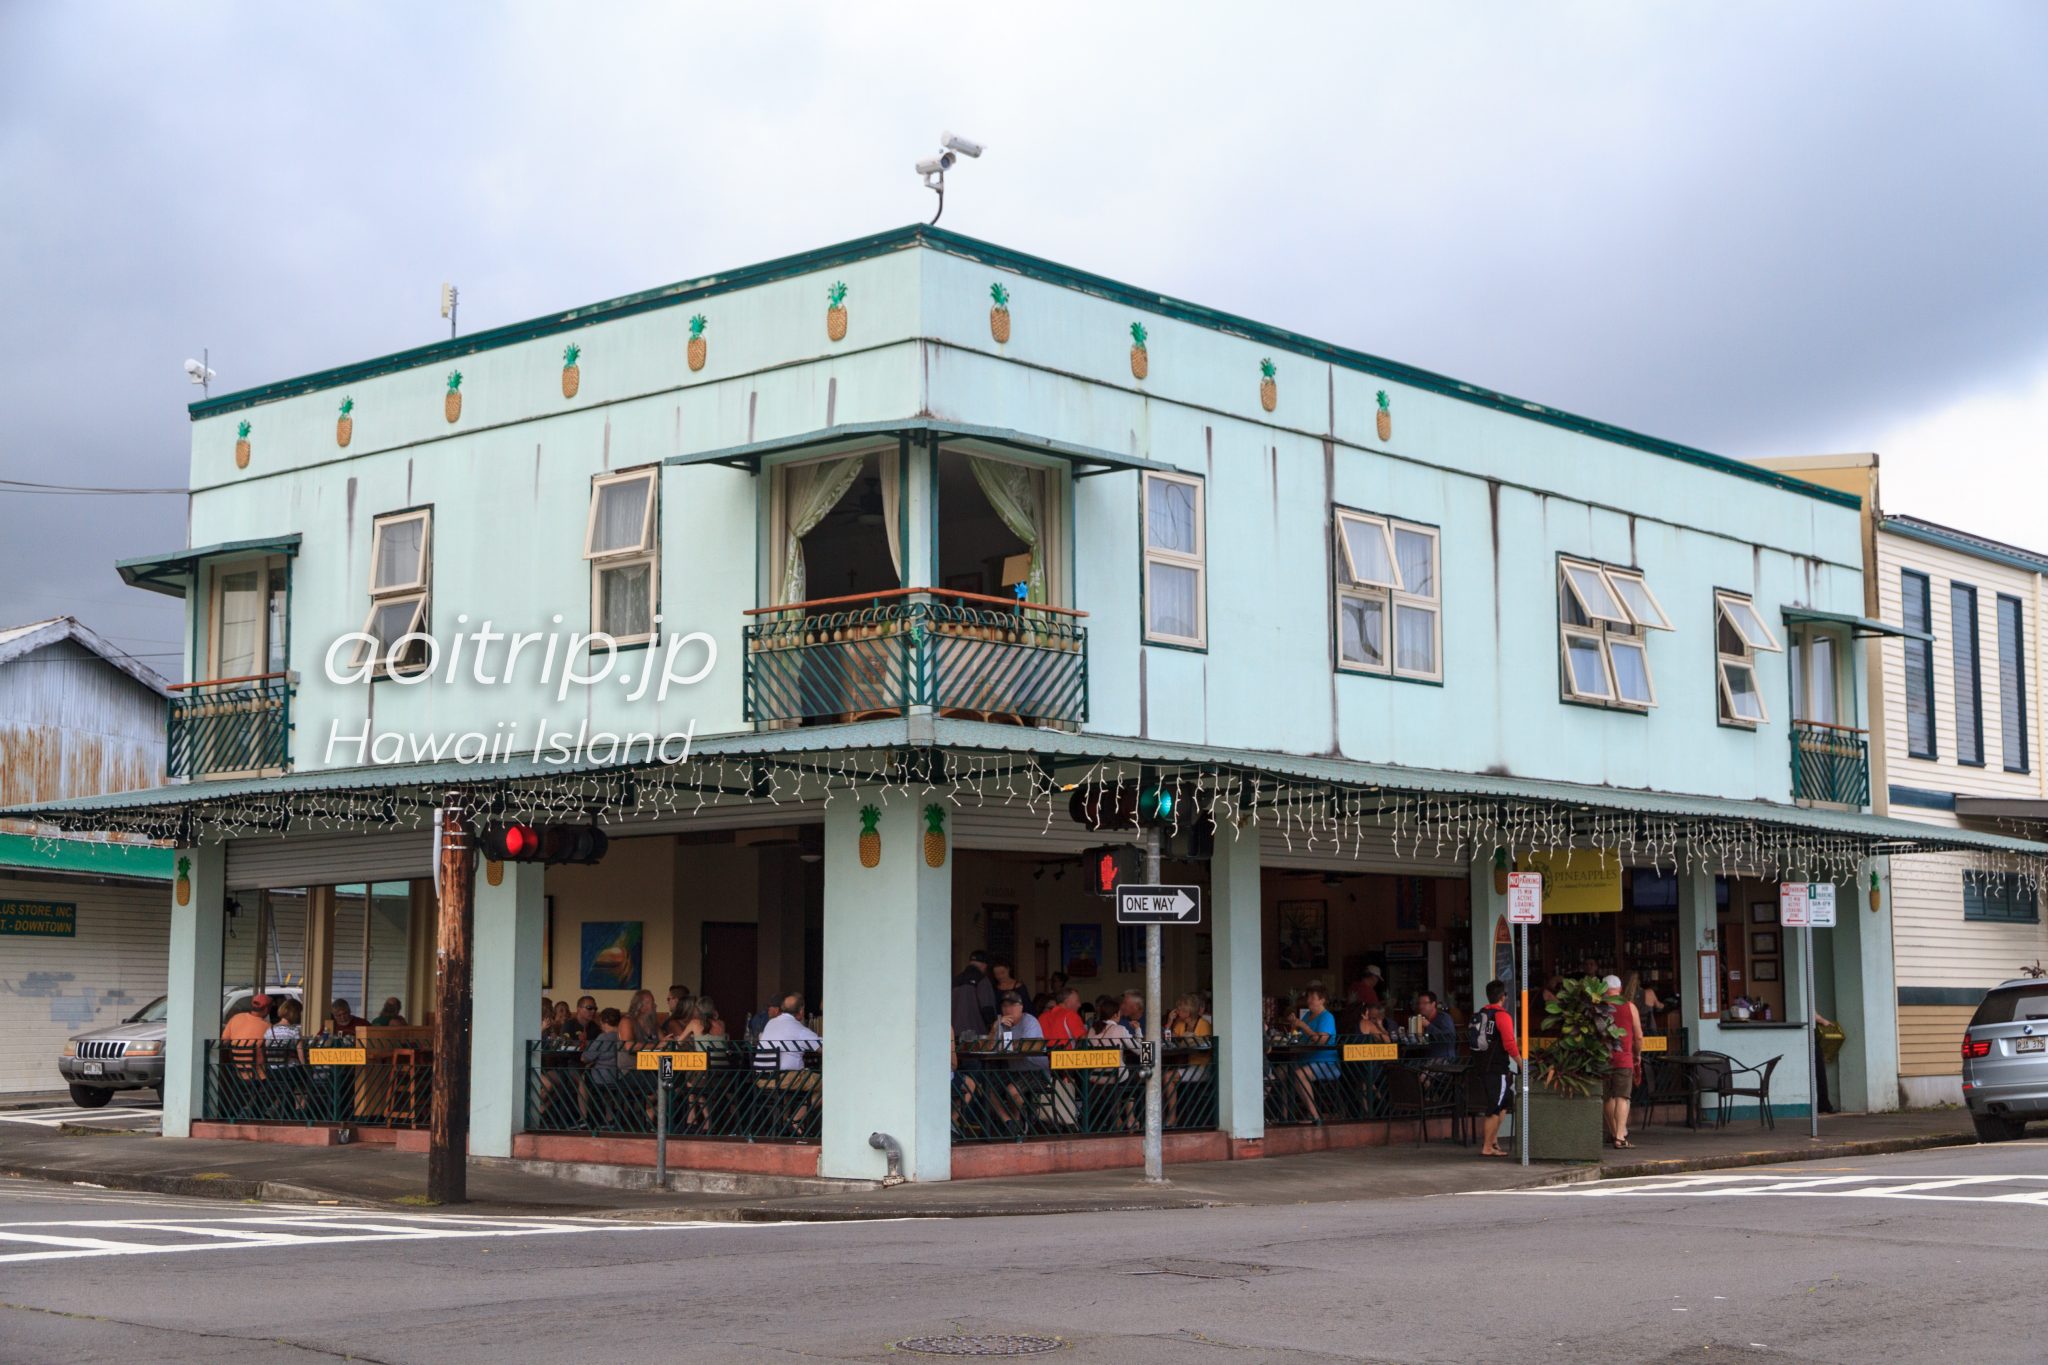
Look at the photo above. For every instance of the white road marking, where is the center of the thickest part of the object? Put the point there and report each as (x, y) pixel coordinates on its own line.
(56, 1118)
(1977, 1189)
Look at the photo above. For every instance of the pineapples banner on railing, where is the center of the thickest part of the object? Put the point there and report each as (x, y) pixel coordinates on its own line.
(999, 314)
(572, 374)
(242, 446)
(870, 837)
(935, 835)
(1141, 362)
(345, 425)
(1385, 419)
(698, 346)
(1269, 386)
(452, 404)
(835, 311)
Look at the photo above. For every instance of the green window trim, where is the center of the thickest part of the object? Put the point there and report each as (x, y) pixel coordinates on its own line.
(1915, 606)
(2013, 714)
(1966, 665)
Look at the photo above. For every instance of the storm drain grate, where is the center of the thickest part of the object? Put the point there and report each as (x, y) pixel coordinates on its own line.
(1003, 1345)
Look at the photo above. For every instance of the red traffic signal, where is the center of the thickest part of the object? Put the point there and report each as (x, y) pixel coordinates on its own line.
(548, 844)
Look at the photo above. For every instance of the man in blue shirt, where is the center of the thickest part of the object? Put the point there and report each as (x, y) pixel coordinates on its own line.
(1315, 1024)
(1437, 1029)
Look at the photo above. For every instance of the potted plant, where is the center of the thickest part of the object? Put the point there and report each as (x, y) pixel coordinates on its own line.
(1564, 1104)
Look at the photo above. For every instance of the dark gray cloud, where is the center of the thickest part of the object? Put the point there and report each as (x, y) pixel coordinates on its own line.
(1755, 227)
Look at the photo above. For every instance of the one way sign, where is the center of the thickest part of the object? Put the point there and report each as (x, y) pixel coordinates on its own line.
(1159, 905)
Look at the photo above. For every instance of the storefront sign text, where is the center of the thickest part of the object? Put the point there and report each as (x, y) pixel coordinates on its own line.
(39, 919)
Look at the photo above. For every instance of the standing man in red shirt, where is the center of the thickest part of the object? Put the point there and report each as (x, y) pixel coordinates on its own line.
(1622, 1060)
(1495, 1065)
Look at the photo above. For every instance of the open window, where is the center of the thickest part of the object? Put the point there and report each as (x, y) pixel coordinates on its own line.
(622, 541)
(1389, 603)
(401, 567)
(247, 636)
(1740, 635)
(1176, 561)
(835, 531)
(1604, 614)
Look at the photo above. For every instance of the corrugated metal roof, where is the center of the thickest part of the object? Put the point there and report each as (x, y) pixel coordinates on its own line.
(19, 640)
(1968, 542)
(1066, 748)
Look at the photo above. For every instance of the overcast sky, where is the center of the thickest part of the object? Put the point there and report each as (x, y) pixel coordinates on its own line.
(1757, 228)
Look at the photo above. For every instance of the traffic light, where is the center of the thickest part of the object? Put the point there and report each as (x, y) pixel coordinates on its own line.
(548, 844)
(1104, 805)
(1112, 865)
(1155, 806)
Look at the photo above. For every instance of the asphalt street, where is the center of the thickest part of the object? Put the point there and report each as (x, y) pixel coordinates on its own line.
(1932, 1255)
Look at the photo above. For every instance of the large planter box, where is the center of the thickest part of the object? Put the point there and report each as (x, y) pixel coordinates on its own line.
(1564, 1127)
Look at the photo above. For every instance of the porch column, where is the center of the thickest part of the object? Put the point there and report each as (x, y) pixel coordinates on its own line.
(192, 1010)
(1491, 958)
(1866, 993)
(318, 991)
(1240, 983)
(1698, 932)
(888, 932)
(505, 986)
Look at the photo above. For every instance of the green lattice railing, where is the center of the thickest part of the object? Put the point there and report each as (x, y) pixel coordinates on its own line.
(1830, 764)
(239, 726)
(959, 654)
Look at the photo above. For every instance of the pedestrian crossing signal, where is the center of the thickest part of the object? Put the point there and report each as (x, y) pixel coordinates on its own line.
(1112, 865)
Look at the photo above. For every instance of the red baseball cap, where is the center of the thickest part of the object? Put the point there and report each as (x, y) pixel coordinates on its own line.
(259, 1001)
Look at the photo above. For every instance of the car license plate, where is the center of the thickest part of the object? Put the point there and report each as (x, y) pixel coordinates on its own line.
(2030, 1044)
(93, 1069)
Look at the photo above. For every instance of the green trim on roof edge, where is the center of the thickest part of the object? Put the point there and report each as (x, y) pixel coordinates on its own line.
(1031, 267)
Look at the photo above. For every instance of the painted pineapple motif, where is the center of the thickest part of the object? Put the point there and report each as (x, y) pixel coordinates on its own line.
(935, 835)
(835, 311)
(452, 404)
(494, 872)
(870, 837)
(1269, 386)
(1141, 363)
(184, 881)
(1384, 419)
(242, 446)
(345, 425)
(998, 320)
(698, 346)
(572, 374)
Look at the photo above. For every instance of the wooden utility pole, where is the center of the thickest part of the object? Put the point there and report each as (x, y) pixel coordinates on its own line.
(448, 1140)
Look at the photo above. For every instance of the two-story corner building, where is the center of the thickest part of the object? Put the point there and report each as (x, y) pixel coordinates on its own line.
(1955, 702)
(924, 546)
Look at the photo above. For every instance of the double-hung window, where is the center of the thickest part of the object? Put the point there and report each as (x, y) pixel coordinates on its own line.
(622, 542)
(2001, 896)
(2012, 682)
(1604, 612)
(401, 567)
(1915, 615)
(248, 615)
(1176, 554)
(1739, 636)
(1389, 602)
(1964, 659)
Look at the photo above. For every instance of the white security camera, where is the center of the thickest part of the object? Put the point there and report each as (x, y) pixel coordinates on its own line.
(964, 146)
(931, 165)
(197, 372)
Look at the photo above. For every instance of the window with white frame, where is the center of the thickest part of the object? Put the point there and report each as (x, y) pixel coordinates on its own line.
(1604, 611)
(1389, 602)
(401, 563)
(1739, 636)
(1176, 572)
(621, 542)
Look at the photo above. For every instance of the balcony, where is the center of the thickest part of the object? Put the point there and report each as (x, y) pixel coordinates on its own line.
(884, 654)
(230, 727)
(1830, 765)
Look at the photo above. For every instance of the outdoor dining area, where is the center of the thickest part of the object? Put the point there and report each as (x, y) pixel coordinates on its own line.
(753, 1090)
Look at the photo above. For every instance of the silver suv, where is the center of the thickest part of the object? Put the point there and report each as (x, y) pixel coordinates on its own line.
(2005, 1059)
(130, 1055)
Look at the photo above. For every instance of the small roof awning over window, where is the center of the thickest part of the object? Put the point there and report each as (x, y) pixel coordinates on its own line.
(1861, 627)
(172, 573)
(1086, 460)
(2001, 808)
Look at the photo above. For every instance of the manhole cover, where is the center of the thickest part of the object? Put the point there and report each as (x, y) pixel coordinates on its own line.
(980, 1346)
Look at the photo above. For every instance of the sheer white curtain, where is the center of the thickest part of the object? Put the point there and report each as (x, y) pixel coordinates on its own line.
(809, 491)
(891, 468)
(1013, 491)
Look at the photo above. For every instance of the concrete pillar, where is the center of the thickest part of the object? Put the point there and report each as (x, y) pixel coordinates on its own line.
(505, 1009)
(1240, 985)
(319, 987)
(887, 927)
(192, 1011)
(1866, 993)
(1491, 959)
(1698, 932)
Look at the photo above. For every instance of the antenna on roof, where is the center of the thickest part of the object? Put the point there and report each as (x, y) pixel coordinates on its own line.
(934, 168)
(450, 296)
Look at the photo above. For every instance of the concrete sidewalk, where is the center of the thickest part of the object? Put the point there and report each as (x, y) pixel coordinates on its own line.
(376, 1176)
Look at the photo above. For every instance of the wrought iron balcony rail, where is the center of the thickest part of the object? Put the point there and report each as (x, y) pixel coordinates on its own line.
(882, 654)
(1040, 1089)
(718, 1088)
(1830, 764)
(230, 726)
(321, 1080)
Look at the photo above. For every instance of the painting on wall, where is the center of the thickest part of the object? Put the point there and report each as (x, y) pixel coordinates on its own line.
(547, 943)
(1081, 949)
(611, 955)
(1304, 935)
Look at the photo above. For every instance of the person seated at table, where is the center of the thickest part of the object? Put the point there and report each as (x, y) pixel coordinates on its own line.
(1314, 1023)
(710, 1023)
(564, 1022)
(340, 1018)
(588, 1023)
(1132, 1008)
(1109, 1023)
(788, 1039)
(1060, 1021)
(675, 1029)
(1439, 1030)
(679, 1001)
(547, 1015)
(1372, 1024)
(391, 1016)
(628, 1034)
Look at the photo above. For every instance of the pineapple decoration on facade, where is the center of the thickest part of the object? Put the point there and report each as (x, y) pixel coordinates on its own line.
(1269, 385)
(835, 311)
(935, 835)
(494, 872)
(345, 425)
(870, 837)
(1384, 419)
(1141, 361)
(698, 346)
(184, 881)
(452, 404)
(999, 314)
(242, 446)
(572, 373)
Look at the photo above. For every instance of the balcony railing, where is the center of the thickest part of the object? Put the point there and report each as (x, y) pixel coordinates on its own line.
(718, 1088)
(321, 1080)
(1830, 764)
(230, 726)
(882, 654)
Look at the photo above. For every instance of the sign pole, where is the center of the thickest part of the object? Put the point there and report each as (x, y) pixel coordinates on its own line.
(1813, 1062)
(661, 1124)
(1522, 975)
(448, 1133)
(1155, 1080)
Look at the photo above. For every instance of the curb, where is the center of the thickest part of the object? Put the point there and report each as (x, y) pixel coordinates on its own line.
(191, 1186)
(1819, 1151)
